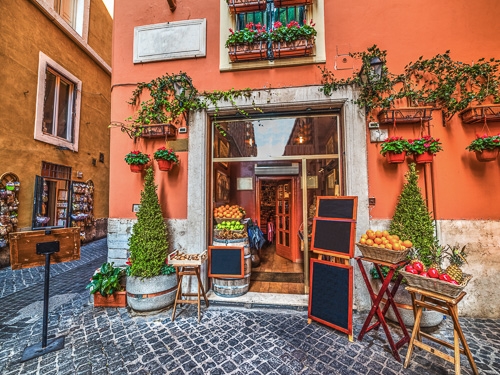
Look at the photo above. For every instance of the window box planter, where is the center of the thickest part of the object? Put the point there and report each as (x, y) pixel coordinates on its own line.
(159, 131)
(405, 115)
(487, 155)
(243, 6)
(297, 48)
(248, 51)
(291, 3)
(480, 113)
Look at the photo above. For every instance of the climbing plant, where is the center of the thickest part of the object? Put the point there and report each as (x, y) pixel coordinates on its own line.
(438, 81)
(172, 97)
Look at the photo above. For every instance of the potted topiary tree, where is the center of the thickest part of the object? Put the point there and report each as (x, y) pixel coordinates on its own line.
(413, 221)
(151, 282)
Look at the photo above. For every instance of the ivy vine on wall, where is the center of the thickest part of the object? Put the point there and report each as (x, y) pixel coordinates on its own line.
(439, 81)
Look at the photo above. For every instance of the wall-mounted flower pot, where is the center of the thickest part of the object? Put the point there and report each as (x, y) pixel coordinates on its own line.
(393, 158)
(297, 48)
(136, 168)
(164, 165)
(487, 155)
(248, 52)
(159, 131)
(117, 299)
(291, 3)
(426, 157)
(244, 6)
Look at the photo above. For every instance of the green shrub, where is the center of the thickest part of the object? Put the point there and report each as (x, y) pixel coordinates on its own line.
(149, 240)
(412, 219)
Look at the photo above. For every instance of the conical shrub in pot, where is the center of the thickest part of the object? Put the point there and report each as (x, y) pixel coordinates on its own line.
(412, 219)
(148, 272)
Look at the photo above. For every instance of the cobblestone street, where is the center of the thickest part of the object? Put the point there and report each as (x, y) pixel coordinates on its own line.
(228, 340)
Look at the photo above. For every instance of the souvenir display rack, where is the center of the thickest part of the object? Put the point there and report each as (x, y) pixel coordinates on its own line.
(9, 204)
(82, 206)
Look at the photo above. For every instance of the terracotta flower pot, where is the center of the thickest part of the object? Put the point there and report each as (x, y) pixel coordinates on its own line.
(394, 158)
(426, 157)
(117, 299)
(136, 168)
(164, 165)
(487, 155)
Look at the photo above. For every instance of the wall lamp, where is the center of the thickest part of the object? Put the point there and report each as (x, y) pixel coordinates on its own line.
(373, 72)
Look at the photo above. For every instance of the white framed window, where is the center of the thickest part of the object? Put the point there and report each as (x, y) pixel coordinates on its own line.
(71, 11)
(58, 105)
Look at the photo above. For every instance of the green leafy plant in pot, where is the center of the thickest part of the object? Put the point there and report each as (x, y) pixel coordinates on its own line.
(107, 285)
(149, 248)
(394, 149)
(485, 146)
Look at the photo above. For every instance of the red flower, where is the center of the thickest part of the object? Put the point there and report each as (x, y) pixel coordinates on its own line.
(128, 262)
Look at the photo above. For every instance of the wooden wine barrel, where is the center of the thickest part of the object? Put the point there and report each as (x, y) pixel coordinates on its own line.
(228, 287)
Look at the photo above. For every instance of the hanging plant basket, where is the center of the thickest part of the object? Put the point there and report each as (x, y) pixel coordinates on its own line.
(137, 168)
(248, 51)
(297, 48)
(244, 6)
(164, 165)
(393, 158)
(426, 157)
(291, 3)
(487, 155)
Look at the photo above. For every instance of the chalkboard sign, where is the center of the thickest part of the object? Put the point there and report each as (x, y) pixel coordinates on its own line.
(335, 236)
(226, 262)
(337, 207)
(330, 297)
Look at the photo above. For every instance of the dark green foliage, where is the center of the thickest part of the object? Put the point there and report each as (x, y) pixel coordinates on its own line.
(106, 280)
(412, 221)
(149, 240)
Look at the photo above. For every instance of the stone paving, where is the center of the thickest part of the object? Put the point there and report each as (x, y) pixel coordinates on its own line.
(228, 340)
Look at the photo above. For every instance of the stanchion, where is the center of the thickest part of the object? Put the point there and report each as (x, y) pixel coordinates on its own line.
(37, 350)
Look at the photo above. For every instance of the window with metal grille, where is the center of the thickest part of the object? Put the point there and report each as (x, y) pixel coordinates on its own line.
(59, 172)
(271, 15)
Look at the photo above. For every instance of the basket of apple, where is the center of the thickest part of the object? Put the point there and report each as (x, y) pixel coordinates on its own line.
(383, 246)
(449, 282)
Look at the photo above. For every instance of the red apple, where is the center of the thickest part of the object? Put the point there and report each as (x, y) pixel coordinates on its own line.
(409, 268)
(424, 274)
(432, 272)
(445, 277)
(419, 267)
(453, 282)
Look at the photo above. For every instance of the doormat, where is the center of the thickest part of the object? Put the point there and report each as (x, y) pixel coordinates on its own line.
(277, 277)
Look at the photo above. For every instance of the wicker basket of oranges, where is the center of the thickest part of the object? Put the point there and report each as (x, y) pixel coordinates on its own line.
(381, 245)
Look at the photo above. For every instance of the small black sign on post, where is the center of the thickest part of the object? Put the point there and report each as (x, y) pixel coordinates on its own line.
(37, 350)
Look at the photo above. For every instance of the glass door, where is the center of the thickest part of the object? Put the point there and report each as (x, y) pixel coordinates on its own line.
(284, 209)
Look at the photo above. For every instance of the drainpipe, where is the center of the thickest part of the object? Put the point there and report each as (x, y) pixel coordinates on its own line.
(172, 4)
(433, 188)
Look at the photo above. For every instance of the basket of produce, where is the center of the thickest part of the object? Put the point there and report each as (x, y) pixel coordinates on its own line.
(383, 254)
(231, 225)
(381, 245)
(436, 285)
(229, 213)
(227, 234)
(449, 282)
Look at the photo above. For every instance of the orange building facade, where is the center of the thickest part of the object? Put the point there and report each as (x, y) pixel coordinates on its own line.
(295, 135)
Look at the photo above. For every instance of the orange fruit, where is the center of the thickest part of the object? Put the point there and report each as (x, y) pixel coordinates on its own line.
(362, 240)
(369, 242)
(407, 243)
(396, 246)
(378, 234)
(365, 236)
(378, 240)
(388, 246)
(371, 235)
(395, 236)
(385, 233)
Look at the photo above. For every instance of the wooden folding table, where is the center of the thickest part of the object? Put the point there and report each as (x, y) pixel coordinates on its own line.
(445, 305)
(189, 270)
(376, 311)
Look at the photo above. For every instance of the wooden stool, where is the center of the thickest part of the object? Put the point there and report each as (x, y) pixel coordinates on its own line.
(445, 305)
(190, 270)
(376, 311)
